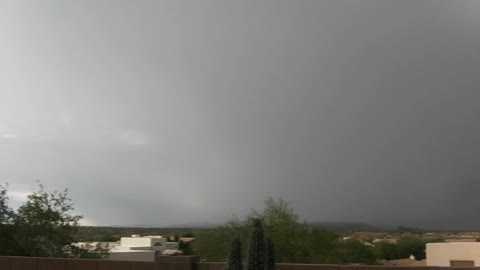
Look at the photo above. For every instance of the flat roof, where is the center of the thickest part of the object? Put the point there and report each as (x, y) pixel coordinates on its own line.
(454, 243)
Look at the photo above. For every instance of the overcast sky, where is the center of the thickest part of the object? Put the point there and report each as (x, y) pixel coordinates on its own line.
(174, 112)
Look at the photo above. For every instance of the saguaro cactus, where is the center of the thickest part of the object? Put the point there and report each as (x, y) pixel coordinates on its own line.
(235, 258)
(256, 259)
(269, 254)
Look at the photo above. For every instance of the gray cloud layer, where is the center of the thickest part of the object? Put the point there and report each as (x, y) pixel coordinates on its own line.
(168, 112)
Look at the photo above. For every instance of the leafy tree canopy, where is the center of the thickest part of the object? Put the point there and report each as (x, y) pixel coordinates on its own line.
(294, 241)
(44, 226)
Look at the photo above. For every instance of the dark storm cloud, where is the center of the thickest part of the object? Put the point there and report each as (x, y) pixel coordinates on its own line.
(168, 112)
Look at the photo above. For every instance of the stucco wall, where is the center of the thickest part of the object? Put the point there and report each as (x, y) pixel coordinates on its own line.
(135, 241)
(168, 263)
(440, 254)
(138, 256)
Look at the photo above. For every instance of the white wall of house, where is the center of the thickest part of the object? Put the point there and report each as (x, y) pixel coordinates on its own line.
(135, 248)
(135, 241)
(150, 242)
(442, 254)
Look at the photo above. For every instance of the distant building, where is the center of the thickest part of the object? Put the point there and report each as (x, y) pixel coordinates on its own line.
(135, 248)
(189, 240)
(453, 254)
(385, 240)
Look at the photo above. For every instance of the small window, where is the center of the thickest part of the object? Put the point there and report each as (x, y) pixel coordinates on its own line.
(462, 263)
(158, 244)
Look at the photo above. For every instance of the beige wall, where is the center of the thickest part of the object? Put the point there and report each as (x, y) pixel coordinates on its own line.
(139, 256)
(135, 242)
(167, 263)
(440, 254)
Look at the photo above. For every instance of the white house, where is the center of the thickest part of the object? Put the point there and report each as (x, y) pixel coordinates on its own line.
(453, 254)
(135, 248)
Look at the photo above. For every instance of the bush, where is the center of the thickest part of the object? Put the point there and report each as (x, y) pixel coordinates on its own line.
(351, 251)
(44, 226)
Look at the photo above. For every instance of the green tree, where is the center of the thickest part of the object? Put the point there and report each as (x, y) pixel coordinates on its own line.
(282, 225)
(386, 251)
(188, 234)
(109, 238)
(43, 226)
(321, 243)
(214, 244)
(256, 259)
(46, 224)
(351, 251)
(411, 246)
(295, 242)
(8, 245)
(5, 212)
(186, 248)
(90, 251)
(235, 261)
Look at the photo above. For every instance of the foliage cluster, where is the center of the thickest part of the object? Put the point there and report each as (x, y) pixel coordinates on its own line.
(43, 226)
(295, 242)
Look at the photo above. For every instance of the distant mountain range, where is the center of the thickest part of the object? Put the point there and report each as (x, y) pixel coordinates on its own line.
(347, 226)
(328, 225)
(331, 225)
(177, 226)
(194, 225)
(338, 226)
